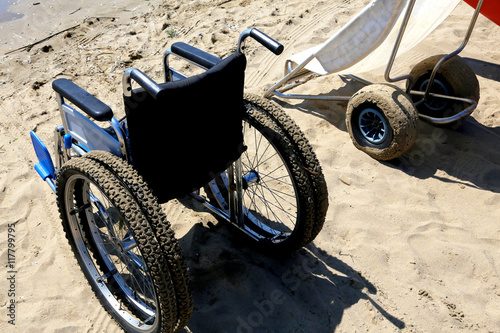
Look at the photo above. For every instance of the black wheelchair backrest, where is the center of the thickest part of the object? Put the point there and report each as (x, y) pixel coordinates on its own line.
(191, 131)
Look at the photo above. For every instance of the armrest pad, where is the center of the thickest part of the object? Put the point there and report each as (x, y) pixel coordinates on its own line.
(82, 99)
(195, 55)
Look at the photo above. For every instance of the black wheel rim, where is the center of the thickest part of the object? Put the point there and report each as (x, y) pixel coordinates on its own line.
(438, 87)
(373, 126)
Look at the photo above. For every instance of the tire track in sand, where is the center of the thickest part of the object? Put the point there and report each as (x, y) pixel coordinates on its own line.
(319, 20)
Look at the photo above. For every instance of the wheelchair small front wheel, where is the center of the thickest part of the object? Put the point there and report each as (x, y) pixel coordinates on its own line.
(285, 197)
(117, 247)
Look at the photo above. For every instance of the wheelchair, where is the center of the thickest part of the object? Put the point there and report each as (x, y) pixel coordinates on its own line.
(238, 154)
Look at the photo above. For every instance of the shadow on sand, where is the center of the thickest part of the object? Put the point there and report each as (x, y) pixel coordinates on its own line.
(239, 289)
(468, 154)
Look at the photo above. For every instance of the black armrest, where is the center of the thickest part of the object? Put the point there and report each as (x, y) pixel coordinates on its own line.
(83, 100)
(195, 55)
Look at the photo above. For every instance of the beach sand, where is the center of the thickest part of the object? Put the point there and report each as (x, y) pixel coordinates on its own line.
(410, 245)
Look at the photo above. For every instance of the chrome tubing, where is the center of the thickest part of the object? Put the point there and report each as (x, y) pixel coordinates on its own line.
(457, 51)
(224, 215)
(272, 91)
(121, 137)
(447, 120)
(311, 97)
(142, 79)
(396, 47)
(262, 38)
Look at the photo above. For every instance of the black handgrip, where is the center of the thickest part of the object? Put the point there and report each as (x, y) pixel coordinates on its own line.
(267, 41)
(145, 82)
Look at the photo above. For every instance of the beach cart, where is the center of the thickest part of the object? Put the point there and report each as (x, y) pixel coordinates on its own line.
(382, 119)
(258, 172)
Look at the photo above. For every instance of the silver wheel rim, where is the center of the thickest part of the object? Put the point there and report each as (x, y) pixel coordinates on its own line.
(119, 252)
(270, 194)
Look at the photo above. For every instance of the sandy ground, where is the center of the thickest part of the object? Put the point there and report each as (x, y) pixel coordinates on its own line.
(411, 245)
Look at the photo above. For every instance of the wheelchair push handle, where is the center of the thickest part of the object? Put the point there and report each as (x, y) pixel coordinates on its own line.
(262, 38)
(142, 79)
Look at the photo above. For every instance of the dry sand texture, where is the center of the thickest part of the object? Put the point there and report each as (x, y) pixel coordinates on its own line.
(410, 245)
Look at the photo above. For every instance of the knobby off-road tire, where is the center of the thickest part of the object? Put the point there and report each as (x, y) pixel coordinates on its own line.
(382, 121)
(121, 241)
(158, 221)
(285, 194)
(454, 78)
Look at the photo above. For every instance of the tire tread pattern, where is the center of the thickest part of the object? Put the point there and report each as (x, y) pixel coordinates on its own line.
(303, 147)
(148, 239)
(158, 220)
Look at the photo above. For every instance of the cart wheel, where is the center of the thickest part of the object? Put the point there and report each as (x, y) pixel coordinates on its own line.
(454, 78)
(382, 121)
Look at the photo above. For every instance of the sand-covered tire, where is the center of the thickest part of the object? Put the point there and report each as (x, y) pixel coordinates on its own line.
(382, 121)
(120, 248)
(454, 78)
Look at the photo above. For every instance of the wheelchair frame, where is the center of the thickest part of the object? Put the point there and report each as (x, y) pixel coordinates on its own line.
(79, 135)
(109, 211)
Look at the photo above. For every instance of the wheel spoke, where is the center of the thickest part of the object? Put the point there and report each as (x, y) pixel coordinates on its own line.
(272, 196)
(111, 230)
(279, 193)
(121, 261)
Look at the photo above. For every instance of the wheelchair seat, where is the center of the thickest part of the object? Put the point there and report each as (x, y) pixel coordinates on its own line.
(191, 132)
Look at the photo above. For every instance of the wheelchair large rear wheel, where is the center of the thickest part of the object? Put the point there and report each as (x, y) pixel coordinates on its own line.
(285, 197)
(119, 248)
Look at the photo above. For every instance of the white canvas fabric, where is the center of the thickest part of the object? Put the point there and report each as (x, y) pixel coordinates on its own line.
(367, 40)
